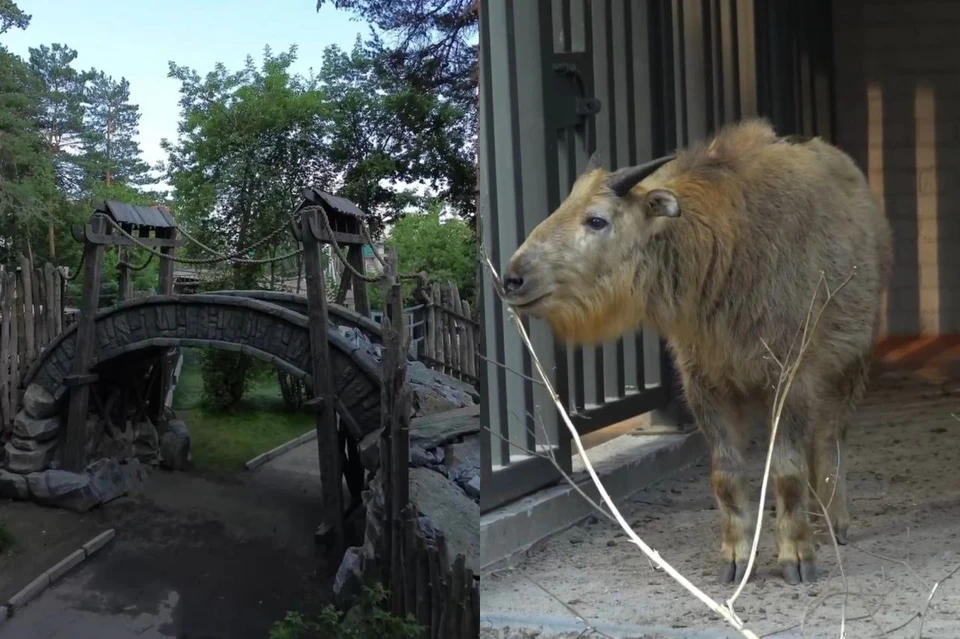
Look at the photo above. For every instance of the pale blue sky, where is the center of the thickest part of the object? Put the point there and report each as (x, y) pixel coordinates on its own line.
(137, 38)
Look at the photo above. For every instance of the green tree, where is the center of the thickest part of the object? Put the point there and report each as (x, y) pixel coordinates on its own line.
(444, 249)
(249, 142)
(26, 172)
(61, 110)
(12, 16)
(384, 133)
(111, 152)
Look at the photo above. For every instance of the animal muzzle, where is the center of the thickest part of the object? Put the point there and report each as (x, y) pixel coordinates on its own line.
(522, 285)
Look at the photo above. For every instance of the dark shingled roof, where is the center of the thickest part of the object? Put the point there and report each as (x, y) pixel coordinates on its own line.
(152, 216)
(336, 203)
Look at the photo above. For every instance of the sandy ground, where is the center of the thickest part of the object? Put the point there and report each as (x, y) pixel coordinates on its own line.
(195, 557)
(904, 489)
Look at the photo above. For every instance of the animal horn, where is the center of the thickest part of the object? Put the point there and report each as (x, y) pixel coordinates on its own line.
(625, 179)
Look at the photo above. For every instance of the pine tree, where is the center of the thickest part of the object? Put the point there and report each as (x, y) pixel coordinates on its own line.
(61, 110)
(111, 152)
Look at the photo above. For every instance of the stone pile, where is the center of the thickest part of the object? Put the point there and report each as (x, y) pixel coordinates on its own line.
(30, 462)
(444, 485)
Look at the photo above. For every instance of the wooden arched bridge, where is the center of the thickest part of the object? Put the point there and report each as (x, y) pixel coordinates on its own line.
(261, 324)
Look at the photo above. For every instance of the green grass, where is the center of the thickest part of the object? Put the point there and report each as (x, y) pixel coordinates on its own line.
(6, 537)
(225, 441)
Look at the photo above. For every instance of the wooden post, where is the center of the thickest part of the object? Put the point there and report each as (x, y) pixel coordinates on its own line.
(30, 329)
(6, 310)
(328, 441)
(470, 350)
(396, 409)
(41, 305)
(125, 287)
(164, 366)
(51, 300)
(73, 454)
(361, 301)
(16, 350)
(430, 332)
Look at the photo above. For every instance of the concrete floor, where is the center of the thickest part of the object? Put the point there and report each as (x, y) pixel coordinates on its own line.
(905, 504)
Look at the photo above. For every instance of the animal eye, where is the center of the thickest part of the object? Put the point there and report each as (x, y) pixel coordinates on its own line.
(596, 222)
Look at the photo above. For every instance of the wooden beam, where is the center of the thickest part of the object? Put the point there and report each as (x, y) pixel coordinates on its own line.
(318, 232)
(165, 366)
(89, 234)
(73, 446)
(328, 440)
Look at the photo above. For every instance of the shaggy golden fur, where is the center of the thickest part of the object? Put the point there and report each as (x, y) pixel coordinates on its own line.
(719, 250)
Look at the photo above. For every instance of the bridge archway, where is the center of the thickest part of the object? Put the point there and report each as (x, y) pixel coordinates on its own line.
(255, 327)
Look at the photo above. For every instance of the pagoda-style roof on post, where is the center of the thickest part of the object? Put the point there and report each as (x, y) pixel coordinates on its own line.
(346, 218)
(153, 217)
(145, 219)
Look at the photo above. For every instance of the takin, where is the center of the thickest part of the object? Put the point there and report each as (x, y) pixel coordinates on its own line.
(722, 248)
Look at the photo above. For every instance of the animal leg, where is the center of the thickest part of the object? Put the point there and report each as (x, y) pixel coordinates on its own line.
(831, 474)
(727, 478)
(790, 472)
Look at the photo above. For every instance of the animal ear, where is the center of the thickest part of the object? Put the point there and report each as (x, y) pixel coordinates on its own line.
(662, 203)
(593, 162)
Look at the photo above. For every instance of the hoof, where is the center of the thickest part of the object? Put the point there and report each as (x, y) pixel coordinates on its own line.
(733, 572)
(796, 572)
(841, 533)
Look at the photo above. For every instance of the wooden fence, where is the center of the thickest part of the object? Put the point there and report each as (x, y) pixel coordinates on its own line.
(31, 315)
(444, 334)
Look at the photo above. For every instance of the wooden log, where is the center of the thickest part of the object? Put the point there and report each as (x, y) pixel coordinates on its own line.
(448, 336)
(436, 592)
(411, 567)
(430, 330)
(39, 297)
(29, 325)
(328, 439)
(460, 331)
(58, 299)
(470, 348)
(454, 619)
(6, 308)
(469, 626)
(74, 458)
(423, 584)
(437, 329)
(16, 320)
(361, 301)
(51, 300)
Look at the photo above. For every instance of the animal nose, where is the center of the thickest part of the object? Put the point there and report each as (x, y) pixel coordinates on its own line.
(512, 282)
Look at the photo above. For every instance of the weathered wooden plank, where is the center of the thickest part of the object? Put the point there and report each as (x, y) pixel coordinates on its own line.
(30, 329)
(459, 330)
(448, 339)
(16, 323)
(51, 300)
(470, 349)
(436, 593)
(456, 597)
(328, 442)
(39, 296)
(58, 300)
(430, 330)
(6, 308)
(423, 583)
(73, 446)
(361, 301)
(439, 353)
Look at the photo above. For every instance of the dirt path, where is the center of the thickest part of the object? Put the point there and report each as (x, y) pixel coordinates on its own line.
(905, 503)
(194, 557)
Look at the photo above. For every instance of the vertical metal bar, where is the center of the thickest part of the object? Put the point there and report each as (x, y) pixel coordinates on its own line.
(683, 127)
(709, 74)
(617, 67)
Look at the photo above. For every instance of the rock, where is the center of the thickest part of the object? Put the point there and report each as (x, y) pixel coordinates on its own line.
(146, 446)
(420, 457)
(26, 444)
(30, 461)
(31, 428)
(13, 486)
(370, 451)
(436, 430)
(347, 583)
(435, 392)
(472, 487)
(107, 479)
(174, 445)
(62, 489)
(135, 475)
(39, 403)
(451, 511)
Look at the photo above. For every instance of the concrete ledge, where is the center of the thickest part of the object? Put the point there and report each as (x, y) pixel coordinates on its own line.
(567, 628)
(99, 541)
(625, 465)
(49, 576)
(262, 459)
